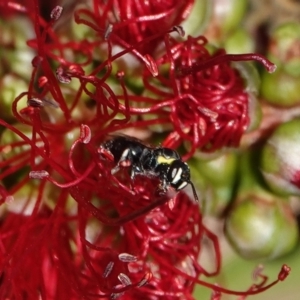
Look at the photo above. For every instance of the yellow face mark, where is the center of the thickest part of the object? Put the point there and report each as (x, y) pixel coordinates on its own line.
(162, 160)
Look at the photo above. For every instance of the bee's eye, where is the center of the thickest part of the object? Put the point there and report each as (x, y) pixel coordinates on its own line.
(176, 174)
(183, 185)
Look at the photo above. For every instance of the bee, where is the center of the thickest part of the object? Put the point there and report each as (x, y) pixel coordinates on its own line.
(159, 162)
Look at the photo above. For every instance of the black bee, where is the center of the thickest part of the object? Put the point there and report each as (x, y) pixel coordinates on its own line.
(162, 163)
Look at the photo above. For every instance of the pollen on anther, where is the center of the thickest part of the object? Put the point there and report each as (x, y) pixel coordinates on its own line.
(116, 295)
(108, 269)
(108, 31)
(38, 174)
(35, 102)
(56, 12)
(124, 279)
(63, 78)
(284, 272)
(126, 257)
(85, 134)
(145, 280)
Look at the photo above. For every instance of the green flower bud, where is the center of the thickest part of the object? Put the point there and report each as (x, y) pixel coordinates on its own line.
(261, 228)
(259, 225)
(215, 180)
(284, 48)
(239, 42)
(226, 17)
(280, 159)
(219, 171)
(280, 88)
(252, 83)
(14, 53)
(199, 17)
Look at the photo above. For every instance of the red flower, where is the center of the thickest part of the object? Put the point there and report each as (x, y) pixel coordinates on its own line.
(129, 22)
(203, 95)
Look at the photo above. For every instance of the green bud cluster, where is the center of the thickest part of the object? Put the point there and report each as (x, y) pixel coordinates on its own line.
(282, 89)
(252, 187)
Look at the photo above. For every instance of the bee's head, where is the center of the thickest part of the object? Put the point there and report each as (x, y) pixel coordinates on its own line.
(179, 176)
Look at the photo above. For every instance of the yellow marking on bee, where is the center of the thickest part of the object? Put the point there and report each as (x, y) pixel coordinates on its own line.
(163, 160)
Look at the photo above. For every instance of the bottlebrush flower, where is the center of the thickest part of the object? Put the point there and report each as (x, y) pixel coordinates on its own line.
(202, 95)
(129, 22)
(69, 228)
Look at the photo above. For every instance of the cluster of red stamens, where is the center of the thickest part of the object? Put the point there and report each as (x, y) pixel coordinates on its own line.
(71, 229)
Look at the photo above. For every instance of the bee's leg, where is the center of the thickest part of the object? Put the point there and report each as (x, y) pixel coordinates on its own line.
(132, 173)
(132, 176)
(124, 161)
(163, 186)
(115, 169)
(136, 169)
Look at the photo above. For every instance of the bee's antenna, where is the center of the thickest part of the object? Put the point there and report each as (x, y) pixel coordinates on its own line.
(194, 191)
